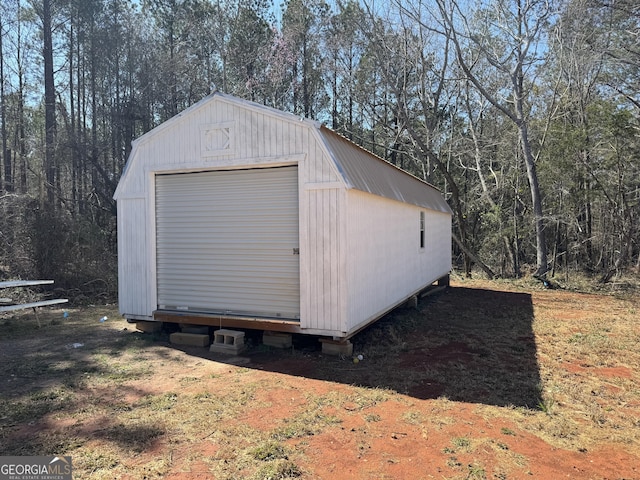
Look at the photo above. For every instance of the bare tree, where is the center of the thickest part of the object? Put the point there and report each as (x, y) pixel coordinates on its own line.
(418, 86)
(49, 103)
(503, 36)
(7, 183)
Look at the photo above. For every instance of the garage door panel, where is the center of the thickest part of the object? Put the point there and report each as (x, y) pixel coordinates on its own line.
(226, 240)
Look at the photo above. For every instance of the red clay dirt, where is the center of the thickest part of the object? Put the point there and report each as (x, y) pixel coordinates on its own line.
(384, 440)
(441, 411)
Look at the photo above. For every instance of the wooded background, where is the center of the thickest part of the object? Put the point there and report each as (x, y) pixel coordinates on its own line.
(525, 113)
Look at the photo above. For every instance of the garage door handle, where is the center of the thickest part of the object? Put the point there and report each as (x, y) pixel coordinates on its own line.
(296, 251)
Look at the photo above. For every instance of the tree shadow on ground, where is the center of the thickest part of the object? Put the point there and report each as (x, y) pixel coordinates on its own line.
(46, 370)
(465, 344)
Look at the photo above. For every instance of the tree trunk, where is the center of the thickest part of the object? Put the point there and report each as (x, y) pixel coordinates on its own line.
(536, 200)
(513, 110)
(473, 256)
(6, 156)
(49, 106)
(22, 141)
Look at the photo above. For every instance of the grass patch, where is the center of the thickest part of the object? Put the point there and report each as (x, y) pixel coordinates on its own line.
(372, 417)
(476, 472)
(157, 403)
(560, 365)
(93, 461)
(135, 437)
(413, 417)
(278, 470)
(303, 425)
(269, 450)
(34, 406)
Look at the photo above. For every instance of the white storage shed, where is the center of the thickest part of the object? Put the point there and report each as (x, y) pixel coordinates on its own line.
(235, 214)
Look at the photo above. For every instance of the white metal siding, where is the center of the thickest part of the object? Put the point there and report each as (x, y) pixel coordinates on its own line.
(386, 263)
(226, 239)
(352, 264)
(323, 252)
(133, 284)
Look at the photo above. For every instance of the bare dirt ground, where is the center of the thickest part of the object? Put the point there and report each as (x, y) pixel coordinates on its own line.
(487, 380)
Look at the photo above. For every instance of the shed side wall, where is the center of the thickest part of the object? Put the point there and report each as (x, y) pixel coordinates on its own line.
(133, 267)
(385, 263)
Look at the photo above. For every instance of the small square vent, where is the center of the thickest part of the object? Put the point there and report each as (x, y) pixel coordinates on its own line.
(216, 139)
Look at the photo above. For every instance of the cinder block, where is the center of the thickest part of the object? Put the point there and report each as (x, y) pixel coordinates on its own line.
(148, 327)
(198, 329)
(192, 339)
(336, 347)
(277, 339)
(228, 341)
(412, 302)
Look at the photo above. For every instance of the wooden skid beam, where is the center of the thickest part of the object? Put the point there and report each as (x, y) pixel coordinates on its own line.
(227, 321)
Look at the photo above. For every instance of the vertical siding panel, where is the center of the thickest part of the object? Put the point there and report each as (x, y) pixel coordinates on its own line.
(330, 280)
(132, 258)
(174, 146)
(217, 114)
(151, 157)
(327, 250)
(295, 142)
(279, 137)
(328, 255)
(193, 137)
(242, 132)
(319, 232)
(258, 148)
(243, 122)
(313, 254)
(322, 255)
(326, 170)
(335, 247)
(343, 261)
(310, 255)
(250, 141)
(257, 139)
(303, 240)
(273, 137)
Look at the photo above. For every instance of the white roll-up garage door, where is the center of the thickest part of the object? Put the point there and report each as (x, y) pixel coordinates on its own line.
(227, 242)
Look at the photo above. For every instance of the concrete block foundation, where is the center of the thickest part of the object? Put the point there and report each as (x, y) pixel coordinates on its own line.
(336, 347)
(199, 329)
(148, 327)
(228, 341)
(277, 339)
(191, 339)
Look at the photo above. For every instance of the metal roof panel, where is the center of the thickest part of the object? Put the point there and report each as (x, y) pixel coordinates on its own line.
(367, 172)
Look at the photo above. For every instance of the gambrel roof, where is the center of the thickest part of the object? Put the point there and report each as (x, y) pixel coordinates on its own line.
(359, 168)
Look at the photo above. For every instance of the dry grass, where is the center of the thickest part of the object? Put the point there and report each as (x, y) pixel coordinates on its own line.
(555, 366)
